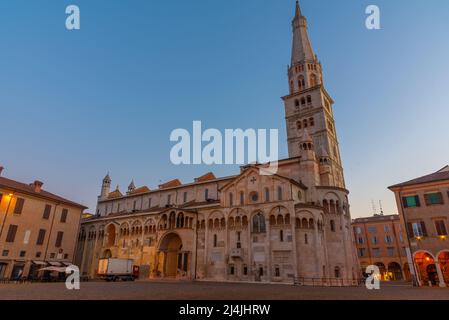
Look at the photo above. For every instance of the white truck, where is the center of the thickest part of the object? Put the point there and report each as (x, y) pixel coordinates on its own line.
(116, 269)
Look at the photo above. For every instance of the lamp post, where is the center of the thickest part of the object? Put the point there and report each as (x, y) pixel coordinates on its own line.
(10, 195)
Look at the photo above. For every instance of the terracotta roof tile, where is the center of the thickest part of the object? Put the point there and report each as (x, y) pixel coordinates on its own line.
(170, 184)
(208, 176)
(440, 175)
(29, 189)
(143, 189)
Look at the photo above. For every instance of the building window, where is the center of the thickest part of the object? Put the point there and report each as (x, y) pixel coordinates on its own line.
(386, 228)
(11, 236)
(306, 239)
(267, 194)
(441, 228)
(434, 198)
(231, 199)
(245, 270)
(19, 206)
(64, 215)
(38, 254)
(41, 237)
(52, 255)
(311, 122)
(184, 197)
(337, 272)
(372, 230)
(388, 239)
(206, 194)
(375, 240)
(281, 235)
(417, 229)
(47, 211)
(277, 272)
(309, 99)
(376, 252)
(411, 201)
(358, 230)
(361, 252)
(231, 269)
(332, 224)
(5, 253)
(259, 223)
(215, 241)
(360, 240)
(22, 254)
(169, 199)
(279, 193)
(254, 196)
(59, 237)
(242, 198)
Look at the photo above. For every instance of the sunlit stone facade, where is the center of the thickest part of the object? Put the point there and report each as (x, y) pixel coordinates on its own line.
(290, 227)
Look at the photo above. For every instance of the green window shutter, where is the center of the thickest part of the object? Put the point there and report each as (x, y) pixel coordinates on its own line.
(404, 202)
(418, 204)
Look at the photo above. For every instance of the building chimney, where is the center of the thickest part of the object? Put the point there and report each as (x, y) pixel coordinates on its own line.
(37, 186)
(1, 169)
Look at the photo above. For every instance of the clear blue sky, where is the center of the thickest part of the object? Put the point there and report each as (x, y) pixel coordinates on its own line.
(75, 105)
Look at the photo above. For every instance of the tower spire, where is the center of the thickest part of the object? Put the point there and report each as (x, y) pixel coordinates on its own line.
(298, 9)
(302, 48)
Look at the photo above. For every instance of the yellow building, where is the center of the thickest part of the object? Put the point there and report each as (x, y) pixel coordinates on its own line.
(37, 229)
(380, 241)
(423, 205)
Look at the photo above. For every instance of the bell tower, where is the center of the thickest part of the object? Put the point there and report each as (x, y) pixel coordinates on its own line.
(308, 106)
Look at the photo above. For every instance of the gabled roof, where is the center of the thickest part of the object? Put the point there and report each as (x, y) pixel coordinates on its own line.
(251, 168)
(170, 184)
(16, 186)
(143, 189)
(206, 177)
(115, 194)
(440, 175)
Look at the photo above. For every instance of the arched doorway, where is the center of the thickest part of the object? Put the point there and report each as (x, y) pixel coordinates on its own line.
(171, 260)
(443, 259)
(425, 265)
(394, 271)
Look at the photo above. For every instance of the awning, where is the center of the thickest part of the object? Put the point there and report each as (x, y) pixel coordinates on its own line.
(41, 263)
(54, 263)
(60, 269)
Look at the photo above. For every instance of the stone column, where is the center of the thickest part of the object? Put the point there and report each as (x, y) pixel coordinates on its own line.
(268, 251)
(440, 275)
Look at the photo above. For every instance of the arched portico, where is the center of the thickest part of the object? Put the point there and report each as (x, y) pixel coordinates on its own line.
(394, 271)
(443, 260)
(428, 268)
(172, 262)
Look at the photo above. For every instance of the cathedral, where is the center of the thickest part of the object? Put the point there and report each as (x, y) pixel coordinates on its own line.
(291, 227)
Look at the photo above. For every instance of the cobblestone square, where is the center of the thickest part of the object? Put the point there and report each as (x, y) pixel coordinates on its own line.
(151, 290)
